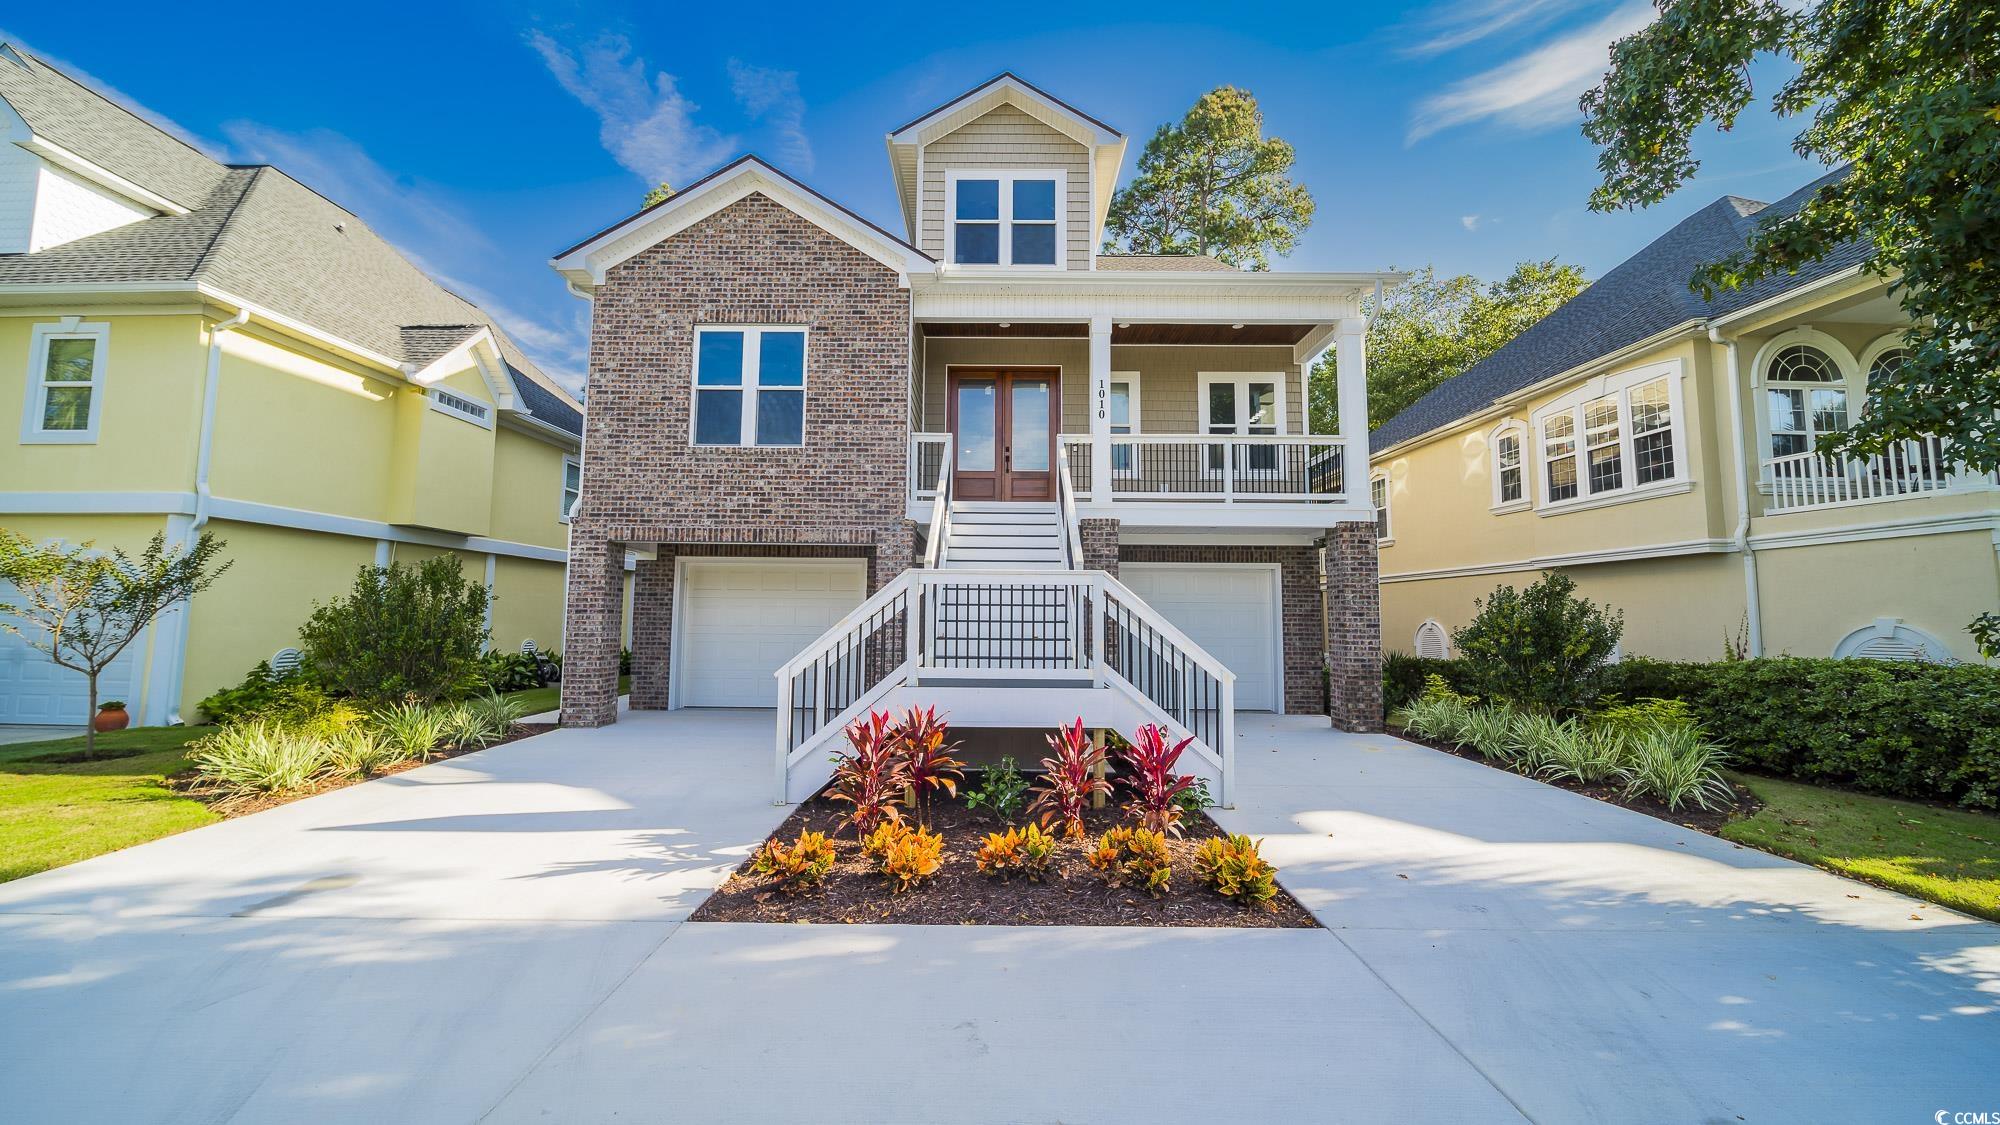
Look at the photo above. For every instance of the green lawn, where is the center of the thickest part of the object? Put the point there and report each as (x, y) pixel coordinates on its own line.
(540, 699)
(57, 813)
(1946, 856)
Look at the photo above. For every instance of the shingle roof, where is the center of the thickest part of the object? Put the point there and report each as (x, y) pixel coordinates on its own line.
(1643, 296)
(72, 115)
(258, 234)
(1164, 263)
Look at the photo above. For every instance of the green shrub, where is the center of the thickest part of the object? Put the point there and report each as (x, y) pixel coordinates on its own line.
(1489, 730)
(1232, 866)
(479, 722)
(415, 731)
(1541, 648)
(258, 757)
(1627, 721)
(510, 671)
(261, 690)
(1585, 755)
(361, 752)
(1440, 713)
(1676, 766)
(402, 634)
(1404, 676)
(1926, 731)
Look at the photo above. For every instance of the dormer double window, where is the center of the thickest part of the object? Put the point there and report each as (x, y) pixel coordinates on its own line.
(1005, 220)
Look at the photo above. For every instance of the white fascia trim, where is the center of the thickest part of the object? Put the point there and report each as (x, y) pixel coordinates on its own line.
(1938, 524)
(586, 265)
(1204, 282)
(1203, 516)
(1806, 294)
(97, 503)
(1006, 88)
(1581, 558)
(457, 359)
(63, 158)
(523, 422)
(1218, 539)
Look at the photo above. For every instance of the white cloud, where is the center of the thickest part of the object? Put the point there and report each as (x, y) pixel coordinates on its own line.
(1537, 90)
(1464, 22)
(433, 234)
(772, 98)
(644, 123)
(1469, 222)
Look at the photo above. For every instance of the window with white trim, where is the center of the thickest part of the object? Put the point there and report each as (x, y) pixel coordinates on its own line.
(458, 406)
(1005, 219)
(1616, 436)
(572, 487)
(65, 382)
(749, 386)
(1243, 404)
(1124, 409)
(1886, 363)
(1510, 482)
(1805, 398)
(1378, 494)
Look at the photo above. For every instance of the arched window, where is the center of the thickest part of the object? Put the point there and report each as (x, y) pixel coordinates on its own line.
(1431, 642)
(1805, 396)
(1887, 362)
(1510, 470)
(1889, 639)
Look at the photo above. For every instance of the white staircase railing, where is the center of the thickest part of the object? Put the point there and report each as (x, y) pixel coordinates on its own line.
(940, 532)
(1003, 630)
(1066, 494)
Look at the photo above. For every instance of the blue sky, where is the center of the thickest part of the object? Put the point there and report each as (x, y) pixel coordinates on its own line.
(481, 138)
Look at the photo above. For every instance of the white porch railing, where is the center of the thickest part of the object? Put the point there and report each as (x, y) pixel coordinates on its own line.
(1804, 481)
(1000, 630)
(1216, 468)
(930, 458)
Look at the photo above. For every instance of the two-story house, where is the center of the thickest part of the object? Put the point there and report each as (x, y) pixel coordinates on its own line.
(202, 347)
(1660, 448)
(975, 461)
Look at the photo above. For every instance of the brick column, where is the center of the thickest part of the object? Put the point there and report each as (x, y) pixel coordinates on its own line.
(1354, 627)
(1100, 544)
(652, 629)
(895, 552)
(593, 616)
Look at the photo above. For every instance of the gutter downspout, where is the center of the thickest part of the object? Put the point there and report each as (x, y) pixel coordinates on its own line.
(1752, 609)
(203, 455)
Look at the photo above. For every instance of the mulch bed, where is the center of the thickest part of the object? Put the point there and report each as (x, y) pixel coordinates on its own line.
(1073, 894)
(187, 782)
(1701, 820)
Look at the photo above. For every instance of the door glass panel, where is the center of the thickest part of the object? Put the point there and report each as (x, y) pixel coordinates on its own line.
(1121, 423)
(1028, 408)
(976, 399)
(1263, 408)
(1222, 408)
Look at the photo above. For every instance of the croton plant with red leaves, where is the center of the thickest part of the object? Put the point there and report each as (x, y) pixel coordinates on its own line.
(1153, 786)
(1072, 778)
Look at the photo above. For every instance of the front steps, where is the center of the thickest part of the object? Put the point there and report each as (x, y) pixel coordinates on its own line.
(999, 535)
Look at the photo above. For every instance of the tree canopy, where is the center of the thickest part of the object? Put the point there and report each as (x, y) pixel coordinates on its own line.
(1906, 95)
(1431, 328)
(1212, 183)
(660, 194)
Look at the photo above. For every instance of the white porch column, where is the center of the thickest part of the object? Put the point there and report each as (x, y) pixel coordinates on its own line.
(1100, 410)
(1351, 359)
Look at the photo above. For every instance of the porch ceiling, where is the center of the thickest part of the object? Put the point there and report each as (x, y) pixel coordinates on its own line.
(1130, 333)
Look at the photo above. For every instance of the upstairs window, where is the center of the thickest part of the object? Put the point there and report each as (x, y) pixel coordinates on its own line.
(749, 386)
(1509, 468)
(1005, 219)
(458, 406)
(65, 382)
(1805, 398)
(1620, 436)
(572, 487)
(1378, 494)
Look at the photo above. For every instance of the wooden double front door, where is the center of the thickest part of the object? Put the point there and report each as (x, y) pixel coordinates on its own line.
(1003, 425)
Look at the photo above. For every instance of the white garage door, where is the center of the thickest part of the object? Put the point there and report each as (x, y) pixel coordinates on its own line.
(741, 619)
(35, 691)
(1232, 611)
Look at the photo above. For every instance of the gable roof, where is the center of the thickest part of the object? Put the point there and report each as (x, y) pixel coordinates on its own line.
(1008, 86)
(586, 263)
(262, 237)
(1641, 297)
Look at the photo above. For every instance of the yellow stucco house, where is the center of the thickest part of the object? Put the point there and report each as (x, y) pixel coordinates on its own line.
(196, 346)
(1658, 448)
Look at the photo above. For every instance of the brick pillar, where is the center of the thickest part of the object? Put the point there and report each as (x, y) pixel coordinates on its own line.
(1354, 627)
(1303, 629)
(652, 630)
(1100, 544)
(593, 620)
(895, 552)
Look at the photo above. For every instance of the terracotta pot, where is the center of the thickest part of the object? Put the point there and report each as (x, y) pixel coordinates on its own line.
(111, 720)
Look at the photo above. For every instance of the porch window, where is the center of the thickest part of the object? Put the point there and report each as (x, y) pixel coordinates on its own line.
(1620, 439)
(66, 382)
(1005, 219)
(1245, 405)
(750, 386)
(1806, 397)
(1378, 494)
(1124, 409)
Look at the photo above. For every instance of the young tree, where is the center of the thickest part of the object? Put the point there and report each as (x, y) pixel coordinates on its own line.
(1213, 184)
(1906, 94)
(402, 634)
(1431, 328)
(83, 607)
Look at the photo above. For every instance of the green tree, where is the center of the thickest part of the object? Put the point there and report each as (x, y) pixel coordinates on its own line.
(1906, 94)
(402, 634)
(1542, 648)
(83, 607)
(1431, 328)
(1213, 184)
(659, 194)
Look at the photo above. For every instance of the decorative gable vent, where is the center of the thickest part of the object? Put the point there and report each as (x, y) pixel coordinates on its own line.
(1889, 639)
(287, 661)
(528, 647)
(1431, 642)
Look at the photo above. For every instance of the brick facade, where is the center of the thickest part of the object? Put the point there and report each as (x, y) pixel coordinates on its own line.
(1354, 627)
(842, 493)
(1298, 606)
(1099, 539)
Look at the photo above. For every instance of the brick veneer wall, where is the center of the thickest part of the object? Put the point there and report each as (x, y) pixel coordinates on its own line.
(1299, 606)
(1354, 627)
(1099, 539)
(842, 493)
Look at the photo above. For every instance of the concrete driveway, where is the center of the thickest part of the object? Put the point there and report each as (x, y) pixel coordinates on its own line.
(501, 937)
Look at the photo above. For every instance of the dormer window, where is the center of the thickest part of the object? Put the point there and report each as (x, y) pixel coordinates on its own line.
(1005, 219)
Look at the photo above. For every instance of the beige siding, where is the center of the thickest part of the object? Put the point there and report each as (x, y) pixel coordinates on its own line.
(1007, 138)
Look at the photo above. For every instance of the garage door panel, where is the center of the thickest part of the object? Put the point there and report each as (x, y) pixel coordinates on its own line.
(742, 621)
(35, 690)
(1231, 611)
